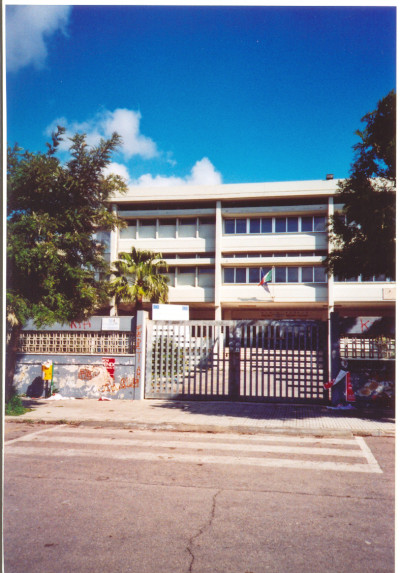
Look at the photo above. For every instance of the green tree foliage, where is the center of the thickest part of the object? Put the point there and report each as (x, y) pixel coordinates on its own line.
(139, 276)
(364, 233)
(54, 211)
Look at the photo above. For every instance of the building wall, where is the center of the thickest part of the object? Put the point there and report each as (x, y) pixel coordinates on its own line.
(210, 229)
(79, 376)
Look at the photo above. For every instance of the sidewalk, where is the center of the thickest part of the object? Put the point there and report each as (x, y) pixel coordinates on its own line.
(207, 417)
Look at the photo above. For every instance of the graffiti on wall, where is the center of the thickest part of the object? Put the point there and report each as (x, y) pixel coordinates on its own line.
(101, 377)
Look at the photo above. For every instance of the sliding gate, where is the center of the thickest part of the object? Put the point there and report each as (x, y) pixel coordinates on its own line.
(237, 360)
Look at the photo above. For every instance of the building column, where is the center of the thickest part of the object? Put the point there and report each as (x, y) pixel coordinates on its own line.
(113, 255)
(218, 269)
(331, 300)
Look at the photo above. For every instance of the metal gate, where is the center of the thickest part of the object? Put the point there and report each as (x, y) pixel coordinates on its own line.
(237, 360)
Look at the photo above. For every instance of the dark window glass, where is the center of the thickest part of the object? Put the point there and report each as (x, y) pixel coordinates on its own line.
(187, 221)
(280, 225)
(293, 224)
(229, 275)
(240, 225)
(307, 274)
(380, 278)
(187, 270)
(293, 274)
(207, 221)
(266, 225)
(168, 222)
(254, 225)
(306, 224)
(206, 271)
(254, 275)
(240, 275)
(319, 275)
(147, 223)
(319, 223)
(229, 226)
(280, 274)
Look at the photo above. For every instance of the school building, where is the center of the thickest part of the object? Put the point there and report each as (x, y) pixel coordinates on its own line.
(219, 241)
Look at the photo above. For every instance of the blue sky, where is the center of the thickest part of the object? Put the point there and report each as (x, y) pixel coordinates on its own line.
(201, 94)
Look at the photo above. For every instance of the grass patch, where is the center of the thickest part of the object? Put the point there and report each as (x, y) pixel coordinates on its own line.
(14, 407)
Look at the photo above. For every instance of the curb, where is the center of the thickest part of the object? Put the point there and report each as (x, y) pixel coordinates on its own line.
(209, 428)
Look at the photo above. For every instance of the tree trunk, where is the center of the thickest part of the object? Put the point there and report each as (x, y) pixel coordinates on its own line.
(11, 360)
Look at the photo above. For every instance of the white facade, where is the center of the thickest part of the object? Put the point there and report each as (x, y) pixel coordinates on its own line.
(220, 240)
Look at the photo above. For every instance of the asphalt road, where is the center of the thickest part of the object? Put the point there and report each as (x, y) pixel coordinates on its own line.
(110, 500)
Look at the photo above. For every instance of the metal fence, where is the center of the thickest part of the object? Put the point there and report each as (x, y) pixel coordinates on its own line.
(245, 360)
(354, 348)
(51, 342)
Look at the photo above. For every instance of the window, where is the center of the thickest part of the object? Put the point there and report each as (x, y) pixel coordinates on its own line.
(254, 275)
(293, 275)
(229, 275)
(240, 275)
(280, 274)
(280, 225)
(255, 225)
(307, 274)
(293, 224)
(319, 223)
(306, 224)
(240, 226)
(187, 221)
(319, 275)
(229, 226)
(266, 225)
(128, 232)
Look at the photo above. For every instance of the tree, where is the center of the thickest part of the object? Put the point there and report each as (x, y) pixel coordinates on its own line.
(54, 258)
(363, 234)
(139, 276)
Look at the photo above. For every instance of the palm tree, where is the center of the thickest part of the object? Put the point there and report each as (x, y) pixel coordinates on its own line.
(138, 276)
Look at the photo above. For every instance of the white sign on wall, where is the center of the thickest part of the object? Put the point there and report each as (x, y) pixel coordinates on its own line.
(110, 323)
(170, 312)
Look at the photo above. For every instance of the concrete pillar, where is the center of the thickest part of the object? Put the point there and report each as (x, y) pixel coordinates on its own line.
(140, 361)
(114, 239)
(331, 300)
(218, 269)
(113, 256)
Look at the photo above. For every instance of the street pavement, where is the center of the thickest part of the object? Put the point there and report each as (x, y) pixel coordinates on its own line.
(203, 416)
(92, 498)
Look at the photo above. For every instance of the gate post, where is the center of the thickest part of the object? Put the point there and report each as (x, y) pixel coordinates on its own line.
(234, 362)
(335, 362)
(140, 359)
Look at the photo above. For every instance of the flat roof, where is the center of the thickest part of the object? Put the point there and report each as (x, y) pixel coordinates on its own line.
(280, 189)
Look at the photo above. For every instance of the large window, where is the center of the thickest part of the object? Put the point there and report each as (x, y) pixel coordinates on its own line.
(253, 275)
(265, 225)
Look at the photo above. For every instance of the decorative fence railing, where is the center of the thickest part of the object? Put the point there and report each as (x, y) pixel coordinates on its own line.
(31, 342)
(353, 348)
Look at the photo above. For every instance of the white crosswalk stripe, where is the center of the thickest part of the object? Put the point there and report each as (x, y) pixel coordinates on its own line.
(335, 454)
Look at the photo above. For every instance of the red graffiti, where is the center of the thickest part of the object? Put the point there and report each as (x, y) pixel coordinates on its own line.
(364, 325)
(81, 325)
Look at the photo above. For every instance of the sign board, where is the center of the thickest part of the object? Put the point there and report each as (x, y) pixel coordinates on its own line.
(170, 312)
(110, 323)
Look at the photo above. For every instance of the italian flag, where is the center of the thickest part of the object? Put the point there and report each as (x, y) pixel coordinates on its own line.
(265, 280)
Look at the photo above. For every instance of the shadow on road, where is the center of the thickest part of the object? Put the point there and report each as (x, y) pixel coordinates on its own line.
(272, 411)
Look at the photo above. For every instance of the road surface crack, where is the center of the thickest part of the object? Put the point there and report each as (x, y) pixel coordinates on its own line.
(202, 529)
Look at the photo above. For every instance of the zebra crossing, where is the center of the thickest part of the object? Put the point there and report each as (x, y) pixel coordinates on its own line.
(264, 451)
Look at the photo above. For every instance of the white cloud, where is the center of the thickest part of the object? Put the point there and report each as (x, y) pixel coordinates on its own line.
(27, 28)
(127, 123)
(202, 173)
(124, 121)
(117, 169)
